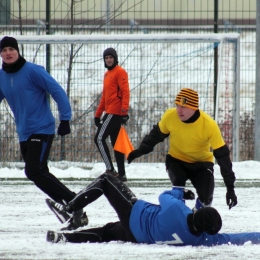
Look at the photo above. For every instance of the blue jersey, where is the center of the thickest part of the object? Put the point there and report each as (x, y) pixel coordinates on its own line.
(26, 93)
(167, 224)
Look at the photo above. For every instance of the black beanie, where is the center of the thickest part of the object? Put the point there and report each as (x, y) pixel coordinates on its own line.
(112, 52)
(9, 42)
(207, 220)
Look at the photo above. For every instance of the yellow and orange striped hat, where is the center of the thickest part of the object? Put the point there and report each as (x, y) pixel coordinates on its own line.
(188, 98)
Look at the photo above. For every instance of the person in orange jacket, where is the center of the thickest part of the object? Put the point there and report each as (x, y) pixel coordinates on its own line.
(114, 104)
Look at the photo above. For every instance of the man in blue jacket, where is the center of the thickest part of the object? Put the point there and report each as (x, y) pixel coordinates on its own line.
(25, 86)
(171, 222)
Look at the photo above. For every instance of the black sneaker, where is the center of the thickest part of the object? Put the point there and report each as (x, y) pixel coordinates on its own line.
(55, 237)
(59, 210)
(122, 178)
(112, 172)
(78, 219)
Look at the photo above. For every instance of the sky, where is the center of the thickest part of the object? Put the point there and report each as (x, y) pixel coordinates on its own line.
(25, 218)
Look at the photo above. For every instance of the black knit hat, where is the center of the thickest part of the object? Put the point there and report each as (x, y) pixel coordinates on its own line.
(207, 220)
(9, 42)
(112, 52)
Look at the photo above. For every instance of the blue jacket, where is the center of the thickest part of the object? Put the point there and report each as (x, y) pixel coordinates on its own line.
(167, 224)
(26, 93)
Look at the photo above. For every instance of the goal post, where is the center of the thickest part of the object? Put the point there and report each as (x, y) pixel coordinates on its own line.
(123, 38)
(158, 66)
(235, 88)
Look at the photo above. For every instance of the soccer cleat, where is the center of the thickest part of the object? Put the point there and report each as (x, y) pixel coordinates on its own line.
(59, 210)
(55, 237)
(112, 172)
(78, 219)
(122, 178)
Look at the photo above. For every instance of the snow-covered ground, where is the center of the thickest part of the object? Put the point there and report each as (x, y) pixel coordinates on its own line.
(25, 219)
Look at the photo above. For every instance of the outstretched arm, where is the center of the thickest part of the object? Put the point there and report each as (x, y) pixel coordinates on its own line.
(169, 197)
(153, 138)
(224, 162)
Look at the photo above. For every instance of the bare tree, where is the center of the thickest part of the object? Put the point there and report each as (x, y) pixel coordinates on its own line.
(74, 50)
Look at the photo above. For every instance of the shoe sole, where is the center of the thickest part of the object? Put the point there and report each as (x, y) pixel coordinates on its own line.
(60, 217)
(55, 237)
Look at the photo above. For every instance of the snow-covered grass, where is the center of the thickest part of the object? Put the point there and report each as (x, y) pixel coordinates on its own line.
(25, 218)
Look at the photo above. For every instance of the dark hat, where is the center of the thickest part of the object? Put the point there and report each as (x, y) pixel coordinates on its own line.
(9, 42)
(110, 51)
(207, 220)
(188, 98)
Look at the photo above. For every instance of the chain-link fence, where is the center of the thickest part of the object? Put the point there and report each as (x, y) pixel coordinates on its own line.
(127, 17)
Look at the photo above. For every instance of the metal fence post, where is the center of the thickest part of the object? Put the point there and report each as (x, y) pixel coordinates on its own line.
(257, 84)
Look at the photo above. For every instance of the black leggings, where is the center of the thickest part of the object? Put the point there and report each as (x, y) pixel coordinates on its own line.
(121, 199)
(35, 152)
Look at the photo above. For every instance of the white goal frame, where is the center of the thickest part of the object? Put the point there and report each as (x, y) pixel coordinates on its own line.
(162, 38)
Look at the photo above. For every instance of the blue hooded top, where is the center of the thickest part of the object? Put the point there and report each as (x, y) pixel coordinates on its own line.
(166, 223)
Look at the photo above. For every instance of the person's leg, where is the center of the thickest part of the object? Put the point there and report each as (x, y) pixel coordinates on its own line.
(35, 152)
(176, 171)
(118, 194)
(120, 157)
(109, 232)
(103, 131)
(202, 178)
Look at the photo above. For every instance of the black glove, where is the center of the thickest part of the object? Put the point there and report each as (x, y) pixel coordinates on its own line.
(231, 198)
(124, 119)
(64, 127)
(188, 195)
(97, 121)
(133, 155)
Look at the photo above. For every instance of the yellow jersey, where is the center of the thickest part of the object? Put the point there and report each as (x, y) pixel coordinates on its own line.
(191, 142)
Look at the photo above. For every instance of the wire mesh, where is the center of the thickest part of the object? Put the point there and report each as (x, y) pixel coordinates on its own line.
(157, 72)
(25, 17)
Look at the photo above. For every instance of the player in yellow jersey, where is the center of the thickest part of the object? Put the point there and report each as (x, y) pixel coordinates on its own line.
(194, 138)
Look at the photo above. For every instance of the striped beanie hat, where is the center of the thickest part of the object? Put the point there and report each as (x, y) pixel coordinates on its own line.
(188, 98)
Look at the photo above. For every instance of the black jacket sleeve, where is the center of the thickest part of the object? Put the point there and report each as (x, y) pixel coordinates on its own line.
(153, 138)
(222, 156)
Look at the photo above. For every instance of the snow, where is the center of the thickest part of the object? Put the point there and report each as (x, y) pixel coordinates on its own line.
(25, 218)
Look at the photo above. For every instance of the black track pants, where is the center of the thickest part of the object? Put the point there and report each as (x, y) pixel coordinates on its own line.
(35, 152)
(120, 197)
(200, 174)
(110, 126)
(109, 232)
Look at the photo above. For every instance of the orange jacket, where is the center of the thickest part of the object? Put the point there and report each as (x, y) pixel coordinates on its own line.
(116, 94)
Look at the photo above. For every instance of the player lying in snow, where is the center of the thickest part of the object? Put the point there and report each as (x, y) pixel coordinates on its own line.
(171, 222)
